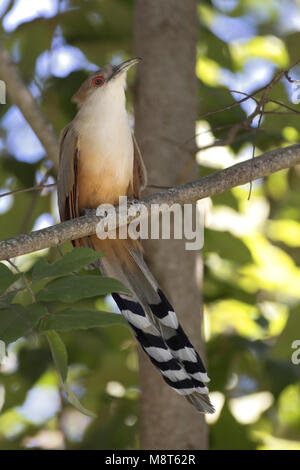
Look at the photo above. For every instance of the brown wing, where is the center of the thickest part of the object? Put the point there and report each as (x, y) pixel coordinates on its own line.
(67, 190)
(139, 171)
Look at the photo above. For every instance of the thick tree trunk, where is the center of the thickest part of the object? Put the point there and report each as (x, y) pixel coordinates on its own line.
(165, 114)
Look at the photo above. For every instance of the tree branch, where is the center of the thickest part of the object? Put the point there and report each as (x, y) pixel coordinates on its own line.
(22, 97)
(210, 185)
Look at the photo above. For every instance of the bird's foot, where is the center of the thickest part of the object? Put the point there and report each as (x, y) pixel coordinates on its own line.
(131, 201)
(135, 204)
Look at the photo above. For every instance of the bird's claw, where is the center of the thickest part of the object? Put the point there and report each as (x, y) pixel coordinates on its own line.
(131, 201)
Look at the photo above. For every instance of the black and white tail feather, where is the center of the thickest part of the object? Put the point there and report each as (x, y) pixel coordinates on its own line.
(157, 329)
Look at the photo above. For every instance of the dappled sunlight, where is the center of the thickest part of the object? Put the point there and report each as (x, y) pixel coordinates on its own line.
(115, 389)
(238, 223)
(208, 71)
(274, 269)
(217, 399)
(2, 396)
(230, 317)
(219, 157)
(274, 443)
(286, 231)
(74, 424)
(276, 314)
(247, 409)
(268, 47)
(11, 424)
(46, 439)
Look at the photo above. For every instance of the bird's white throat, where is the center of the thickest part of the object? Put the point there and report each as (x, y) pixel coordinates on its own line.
(104, 130)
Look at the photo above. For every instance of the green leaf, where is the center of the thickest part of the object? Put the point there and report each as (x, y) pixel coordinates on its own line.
(280, 374)
(291, 42)
(18, 321)
(76, 403)
(269, 47)
(9, 297)
(227, 245)
(74, 288)
(80, 319)
(216, 49)
(226, 199)
(60, 357)
(6, 277)
(59, 353)
(72, 261)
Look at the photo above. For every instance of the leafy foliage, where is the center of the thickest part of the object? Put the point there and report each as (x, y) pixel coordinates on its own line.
(17, 320)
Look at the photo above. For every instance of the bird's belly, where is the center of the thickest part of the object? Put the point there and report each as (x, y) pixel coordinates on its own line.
(103, 178)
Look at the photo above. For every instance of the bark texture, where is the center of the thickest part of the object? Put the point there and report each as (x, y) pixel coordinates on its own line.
(165, 114)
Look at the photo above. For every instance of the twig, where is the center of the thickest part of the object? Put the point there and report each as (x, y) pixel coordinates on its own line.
(275, 79)
(26, 282)
(15, 309)
(218, 143)
(295, 111)
(33, 203)
(245, 125)
(25, 190)
(52, 185)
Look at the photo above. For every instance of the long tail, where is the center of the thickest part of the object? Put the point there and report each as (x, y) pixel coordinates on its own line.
(154, 321)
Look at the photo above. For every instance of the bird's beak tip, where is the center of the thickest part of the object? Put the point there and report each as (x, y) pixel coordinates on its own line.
(130, 62)
(125, 66)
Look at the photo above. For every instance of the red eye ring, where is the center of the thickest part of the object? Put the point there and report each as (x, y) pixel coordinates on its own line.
(98, 81)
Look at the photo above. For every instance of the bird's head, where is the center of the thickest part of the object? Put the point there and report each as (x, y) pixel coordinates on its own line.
(105, 77)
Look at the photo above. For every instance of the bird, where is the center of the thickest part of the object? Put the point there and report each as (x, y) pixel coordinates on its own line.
(99, 161)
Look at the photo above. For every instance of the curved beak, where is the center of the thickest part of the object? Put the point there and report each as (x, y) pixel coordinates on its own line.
(124, 66)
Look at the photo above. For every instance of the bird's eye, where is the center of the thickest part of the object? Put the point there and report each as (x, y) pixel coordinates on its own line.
(98, 80)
